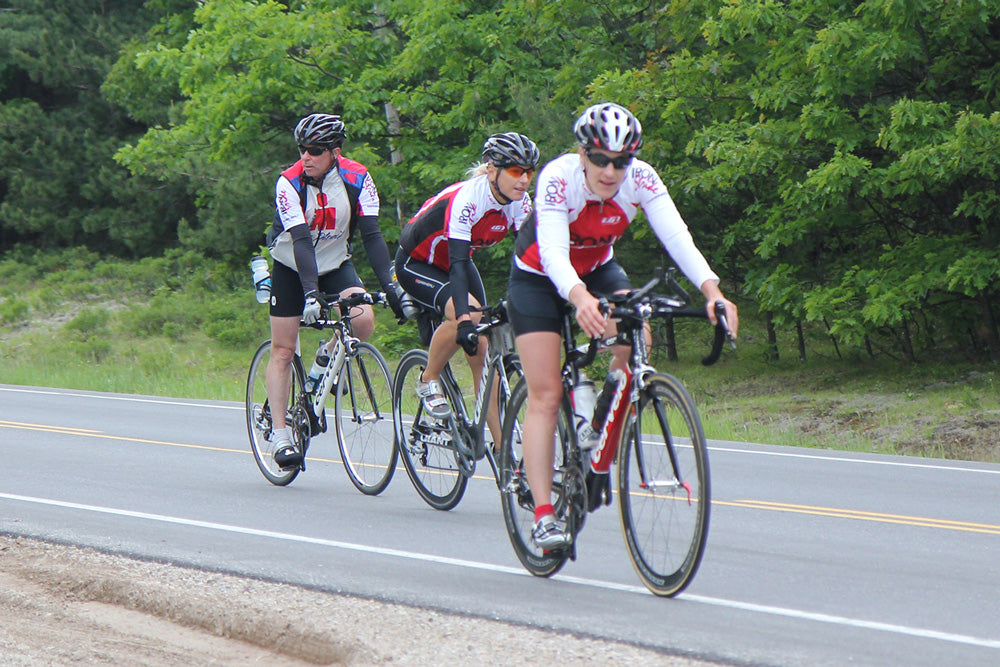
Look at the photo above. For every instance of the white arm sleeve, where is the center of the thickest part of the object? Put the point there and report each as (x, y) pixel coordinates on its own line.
(673, 233)
(553, 249)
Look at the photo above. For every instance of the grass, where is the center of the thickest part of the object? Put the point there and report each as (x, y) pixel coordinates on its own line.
(181, 326)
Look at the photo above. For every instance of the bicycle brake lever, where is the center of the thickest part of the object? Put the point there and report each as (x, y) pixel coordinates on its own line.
(720, 316)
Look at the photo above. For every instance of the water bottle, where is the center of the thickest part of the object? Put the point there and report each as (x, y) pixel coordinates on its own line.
(261, 278)
(584, 395)
(409, 306)
(318, 367)
(605, 397)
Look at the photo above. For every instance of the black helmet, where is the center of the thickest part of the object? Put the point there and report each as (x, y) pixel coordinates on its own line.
(510, 148)
(609, 126)
(320, 129)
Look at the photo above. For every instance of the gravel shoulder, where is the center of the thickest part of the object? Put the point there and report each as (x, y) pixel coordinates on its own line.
(62, 605)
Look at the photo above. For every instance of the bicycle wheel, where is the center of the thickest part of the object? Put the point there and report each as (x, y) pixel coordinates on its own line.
(425, 444)
(364, 420)
(259, 415)
(664, 508)
(515, 496)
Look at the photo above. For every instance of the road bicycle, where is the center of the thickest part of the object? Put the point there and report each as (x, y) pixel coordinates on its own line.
(440, 455)
(653, 433)
(358, 378)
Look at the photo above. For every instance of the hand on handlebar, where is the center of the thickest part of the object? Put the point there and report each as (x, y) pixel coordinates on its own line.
(727, 314)
(588, 311)
(313, 308)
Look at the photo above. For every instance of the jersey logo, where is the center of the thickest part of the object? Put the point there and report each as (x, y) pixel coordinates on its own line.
(468, 214)
(283, 203)
(610, 220)
(498, 228)
(646, 179)
(555, 191)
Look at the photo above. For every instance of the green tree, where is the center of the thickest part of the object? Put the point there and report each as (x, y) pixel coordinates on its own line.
(58, 182)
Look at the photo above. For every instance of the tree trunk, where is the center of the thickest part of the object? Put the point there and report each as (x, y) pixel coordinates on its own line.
(392, 119)
(670, 338)
(992, 333)
(802, 340)
(772, 337)
(836, 348)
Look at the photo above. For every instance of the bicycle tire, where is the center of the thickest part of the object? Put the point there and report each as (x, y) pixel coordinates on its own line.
(365, 433)
(518, 505)
(259, 419)
(665, 525)
(432, 466)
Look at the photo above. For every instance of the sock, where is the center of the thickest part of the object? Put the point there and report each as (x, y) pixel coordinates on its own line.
(279, 434)
(543, 510)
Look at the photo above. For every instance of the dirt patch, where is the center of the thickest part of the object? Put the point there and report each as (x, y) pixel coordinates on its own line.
(62, 604)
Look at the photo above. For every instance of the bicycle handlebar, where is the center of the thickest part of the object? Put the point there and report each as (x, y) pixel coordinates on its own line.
(642, 304)
(344, 306)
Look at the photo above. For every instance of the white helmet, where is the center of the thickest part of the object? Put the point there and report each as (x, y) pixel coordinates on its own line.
(609, 126)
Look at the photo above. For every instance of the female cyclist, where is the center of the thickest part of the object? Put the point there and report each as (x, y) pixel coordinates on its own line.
(565, 252)
(434, 260)
(320, 202)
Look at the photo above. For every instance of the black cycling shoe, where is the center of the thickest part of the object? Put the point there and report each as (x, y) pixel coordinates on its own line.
(598, 489)
(315, 425)
(288, 456)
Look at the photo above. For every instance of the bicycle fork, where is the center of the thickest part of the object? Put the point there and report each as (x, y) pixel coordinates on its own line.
(649, 484)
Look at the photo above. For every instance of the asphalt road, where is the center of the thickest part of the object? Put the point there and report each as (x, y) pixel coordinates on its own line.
(814, 557)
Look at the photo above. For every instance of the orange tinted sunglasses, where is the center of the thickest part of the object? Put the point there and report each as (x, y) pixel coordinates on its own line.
(517, 171)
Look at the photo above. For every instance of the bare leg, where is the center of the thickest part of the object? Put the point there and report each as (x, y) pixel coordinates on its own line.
(284, 337)
(540, 354)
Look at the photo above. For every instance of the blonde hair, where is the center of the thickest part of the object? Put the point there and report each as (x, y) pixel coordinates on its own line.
(476, 170)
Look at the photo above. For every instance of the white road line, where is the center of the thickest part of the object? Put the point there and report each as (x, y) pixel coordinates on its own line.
(457, 562)
(120, 397)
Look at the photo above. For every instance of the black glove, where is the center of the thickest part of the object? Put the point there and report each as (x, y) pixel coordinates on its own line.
(392, 297)
(467, 337)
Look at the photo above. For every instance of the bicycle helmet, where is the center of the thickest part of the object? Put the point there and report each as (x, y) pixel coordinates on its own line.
(510, 148)
(320, 129)
(609, 126)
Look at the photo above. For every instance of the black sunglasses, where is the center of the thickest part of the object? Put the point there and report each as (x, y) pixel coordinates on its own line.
(601, 160)
(312, 150)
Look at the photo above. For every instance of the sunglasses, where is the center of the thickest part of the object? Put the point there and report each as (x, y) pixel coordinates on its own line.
(517, 171)
(312, 150)
(601, 160)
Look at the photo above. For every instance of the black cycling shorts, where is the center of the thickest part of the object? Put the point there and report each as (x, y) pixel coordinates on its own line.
(431, 286)
(287, 299)
(533, 303)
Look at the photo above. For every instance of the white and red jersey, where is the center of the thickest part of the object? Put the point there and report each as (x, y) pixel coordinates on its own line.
(573, 231)
(331, 210)
(466, 211)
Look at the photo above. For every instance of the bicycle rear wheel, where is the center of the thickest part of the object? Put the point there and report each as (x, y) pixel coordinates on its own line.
(424, 443)
(664, 508)
(258, 413)
(515, 496)
(364, 420)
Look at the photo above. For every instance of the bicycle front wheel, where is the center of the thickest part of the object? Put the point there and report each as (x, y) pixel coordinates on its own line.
(363, 408)
(258, 411)
(515, 495)
(663, 486)
(425, 443)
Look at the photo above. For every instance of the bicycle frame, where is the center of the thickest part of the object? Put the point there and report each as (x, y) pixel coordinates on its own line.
(468, 432)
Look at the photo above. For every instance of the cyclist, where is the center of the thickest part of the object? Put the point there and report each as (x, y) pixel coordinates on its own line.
(320, 201)
(565, 252)
(434, 261)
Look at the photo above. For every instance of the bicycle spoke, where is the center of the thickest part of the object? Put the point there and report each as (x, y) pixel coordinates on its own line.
(364, 432)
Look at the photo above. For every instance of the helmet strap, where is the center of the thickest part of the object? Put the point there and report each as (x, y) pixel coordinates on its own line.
(501, 198)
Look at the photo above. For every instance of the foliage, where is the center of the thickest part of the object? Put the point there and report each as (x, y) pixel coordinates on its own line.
(836, 162)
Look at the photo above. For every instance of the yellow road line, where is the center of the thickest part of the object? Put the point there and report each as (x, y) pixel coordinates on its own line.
(862, 515)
